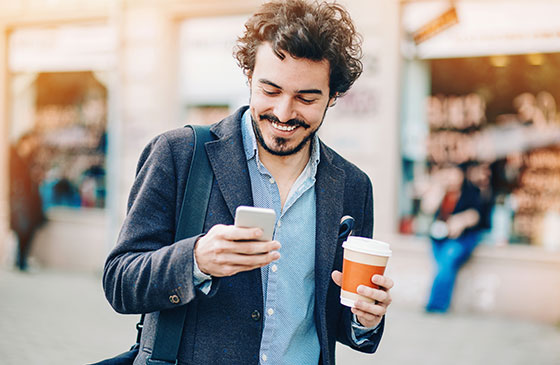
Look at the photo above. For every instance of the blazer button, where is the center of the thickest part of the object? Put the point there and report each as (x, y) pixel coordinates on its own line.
(174, 299)
(256, 315)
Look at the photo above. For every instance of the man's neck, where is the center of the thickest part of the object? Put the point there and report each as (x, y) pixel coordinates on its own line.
(285, 169)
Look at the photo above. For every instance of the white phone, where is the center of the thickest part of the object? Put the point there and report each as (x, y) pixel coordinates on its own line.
(250, 217)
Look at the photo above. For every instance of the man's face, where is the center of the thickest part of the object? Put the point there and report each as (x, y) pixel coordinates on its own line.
(289, 99)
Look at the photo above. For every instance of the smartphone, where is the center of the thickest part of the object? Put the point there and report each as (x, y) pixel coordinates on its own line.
(250, 217)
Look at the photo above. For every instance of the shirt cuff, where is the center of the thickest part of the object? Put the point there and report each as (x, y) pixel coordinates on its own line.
(361, 334)
(202, 281)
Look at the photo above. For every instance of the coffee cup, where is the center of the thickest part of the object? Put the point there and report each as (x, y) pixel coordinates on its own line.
(363, 258)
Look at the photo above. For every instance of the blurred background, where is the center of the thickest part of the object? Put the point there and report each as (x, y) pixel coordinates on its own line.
(84, 85)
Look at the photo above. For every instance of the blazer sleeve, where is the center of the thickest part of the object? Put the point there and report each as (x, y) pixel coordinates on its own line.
(147, 271)
(364, 229)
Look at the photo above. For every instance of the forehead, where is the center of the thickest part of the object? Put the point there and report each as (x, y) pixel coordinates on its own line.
(290, 72)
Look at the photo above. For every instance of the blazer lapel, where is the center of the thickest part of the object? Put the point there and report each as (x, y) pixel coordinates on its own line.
(329, 189)
(228, 162)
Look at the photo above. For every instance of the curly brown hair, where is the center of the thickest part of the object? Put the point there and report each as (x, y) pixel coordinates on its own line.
(305, 29)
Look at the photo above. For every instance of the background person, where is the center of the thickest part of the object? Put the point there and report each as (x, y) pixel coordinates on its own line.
(455, 204)
(26, 211)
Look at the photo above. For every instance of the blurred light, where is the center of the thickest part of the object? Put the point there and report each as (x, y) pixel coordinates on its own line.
(535, 59)
(499, 60)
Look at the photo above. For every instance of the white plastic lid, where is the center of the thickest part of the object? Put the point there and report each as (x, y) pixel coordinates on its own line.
(367, 245)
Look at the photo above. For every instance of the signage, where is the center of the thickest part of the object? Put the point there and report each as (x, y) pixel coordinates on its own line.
(437, 25)
(491, 27)
(63, 48)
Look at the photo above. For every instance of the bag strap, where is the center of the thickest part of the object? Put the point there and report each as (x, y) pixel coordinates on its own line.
(191, 223)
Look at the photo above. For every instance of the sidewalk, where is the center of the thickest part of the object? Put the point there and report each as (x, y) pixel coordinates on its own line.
(53, 317)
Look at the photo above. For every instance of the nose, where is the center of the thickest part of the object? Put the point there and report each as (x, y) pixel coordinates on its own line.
(284, 109)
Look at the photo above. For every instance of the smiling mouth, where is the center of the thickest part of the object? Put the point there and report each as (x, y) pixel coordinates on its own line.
(284, 128)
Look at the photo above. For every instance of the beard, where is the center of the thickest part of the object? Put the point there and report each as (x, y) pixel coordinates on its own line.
(281, 148)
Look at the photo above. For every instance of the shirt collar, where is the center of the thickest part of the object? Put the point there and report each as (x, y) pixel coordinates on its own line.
(250, 143)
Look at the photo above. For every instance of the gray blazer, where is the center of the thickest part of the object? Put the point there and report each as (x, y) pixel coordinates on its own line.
(147, 272)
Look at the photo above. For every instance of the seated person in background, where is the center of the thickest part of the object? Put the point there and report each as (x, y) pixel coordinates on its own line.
(455, 204)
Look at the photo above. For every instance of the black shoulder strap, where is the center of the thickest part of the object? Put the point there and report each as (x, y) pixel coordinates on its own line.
(191, 223)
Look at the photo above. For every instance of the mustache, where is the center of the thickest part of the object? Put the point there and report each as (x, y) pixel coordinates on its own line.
(292, 122)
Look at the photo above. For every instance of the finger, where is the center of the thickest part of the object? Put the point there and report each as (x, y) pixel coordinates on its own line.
(365, 318)
(337, 277)
(383, 281)
(247, 260)
(233, 233)
(378, 295)
(230, 270)
(370, 308)
(254, 247)
(234, 269)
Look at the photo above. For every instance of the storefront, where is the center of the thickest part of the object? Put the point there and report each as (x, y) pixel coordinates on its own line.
(58, 132)
(481, 91)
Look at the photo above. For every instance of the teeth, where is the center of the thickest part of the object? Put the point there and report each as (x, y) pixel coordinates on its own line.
(285, 128)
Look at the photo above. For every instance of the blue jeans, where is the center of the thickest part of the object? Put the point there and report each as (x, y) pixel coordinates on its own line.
(450, 255)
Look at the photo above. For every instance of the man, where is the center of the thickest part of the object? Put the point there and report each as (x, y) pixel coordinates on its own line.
(251, 301)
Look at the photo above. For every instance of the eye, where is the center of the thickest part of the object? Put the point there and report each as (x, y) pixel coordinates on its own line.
(270, 92)
(305, 100)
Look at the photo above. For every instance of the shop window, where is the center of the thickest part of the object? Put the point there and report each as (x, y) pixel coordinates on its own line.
(66, 139)
(496, 117)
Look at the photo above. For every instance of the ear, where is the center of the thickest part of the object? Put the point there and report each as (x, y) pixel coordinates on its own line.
(249, 78)
(332, 100)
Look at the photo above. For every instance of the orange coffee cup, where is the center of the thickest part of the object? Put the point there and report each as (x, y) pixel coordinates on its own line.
(363, 258)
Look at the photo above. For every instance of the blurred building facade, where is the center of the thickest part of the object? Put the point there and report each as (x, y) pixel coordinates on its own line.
(479, 91)
(94, 81)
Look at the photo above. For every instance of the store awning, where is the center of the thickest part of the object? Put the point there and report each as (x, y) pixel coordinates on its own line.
(483, 28)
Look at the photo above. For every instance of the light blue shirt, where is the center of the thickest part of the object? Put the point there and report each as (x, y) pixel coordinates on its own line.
(289, 333)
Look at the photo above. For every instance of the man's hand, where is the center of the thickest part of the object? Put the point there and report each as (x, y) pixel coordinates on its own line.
(370, 314)
(227, 250)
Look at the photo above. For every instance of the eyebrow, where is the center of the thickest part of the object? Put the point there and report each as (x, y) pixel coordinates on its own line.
(305, 91)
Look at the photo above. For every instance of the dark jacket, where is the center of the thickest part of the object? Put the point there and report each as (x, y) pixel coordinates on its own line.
(26, 211)
(469, 198)
(147, 267)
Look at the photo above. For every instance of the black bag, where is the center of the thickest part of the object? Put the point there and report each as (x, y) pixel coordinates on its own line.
(191, 223)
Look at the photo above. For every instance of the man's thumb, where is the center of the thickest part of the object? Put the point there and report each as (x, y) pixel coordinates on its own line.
(337, 277)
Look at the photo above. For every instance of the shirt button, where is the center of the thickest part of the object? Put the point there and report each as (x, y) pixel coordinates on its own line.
(274, 268)
(256, 315)
(174, 299)
(271, 180)
(270, 311)
(264, 357)
(279, 224)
